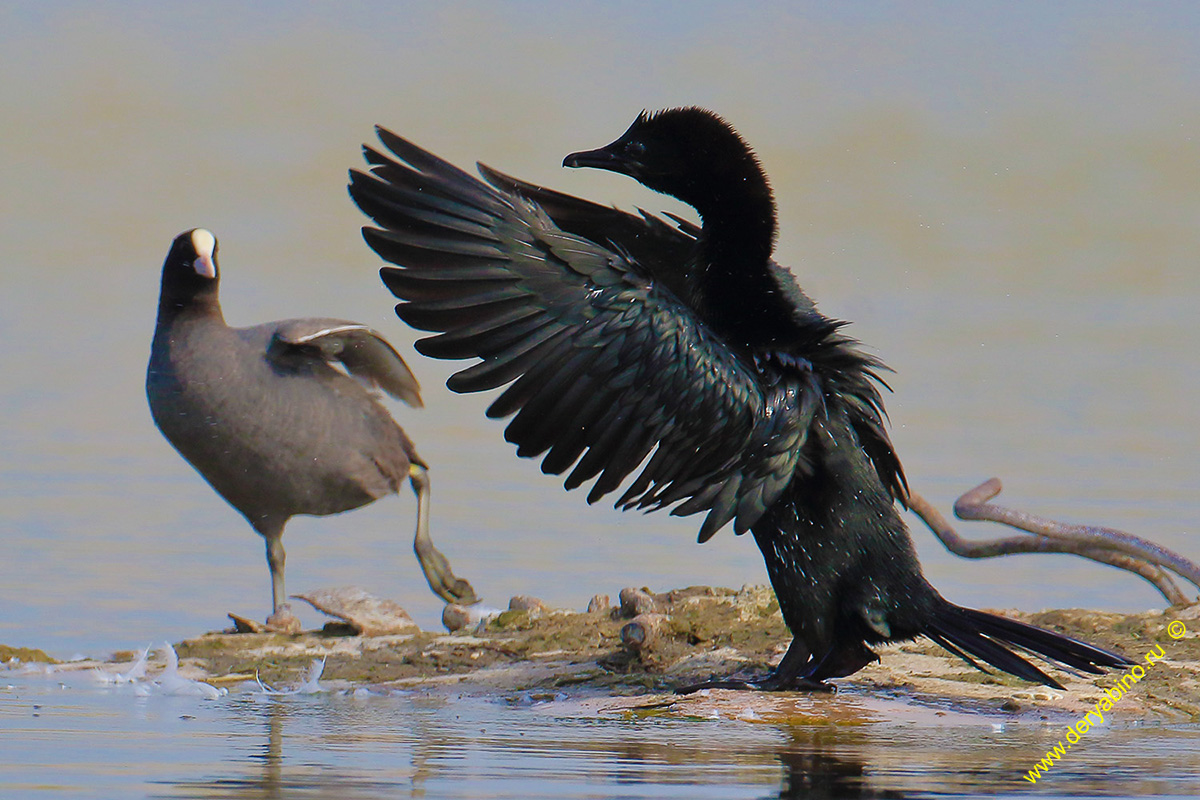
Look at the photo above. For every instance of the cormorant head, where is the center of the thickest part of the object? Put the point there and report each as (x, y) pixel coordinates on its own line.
(688, 153)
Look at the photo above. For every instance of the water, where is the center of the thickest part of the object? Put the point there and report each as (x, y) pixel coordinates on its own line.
(1002, 198)
(444, 744)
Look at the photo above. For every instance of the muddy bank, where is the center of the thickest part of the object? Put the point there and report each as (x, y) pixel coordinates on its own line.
(23, 654)
(633, 653)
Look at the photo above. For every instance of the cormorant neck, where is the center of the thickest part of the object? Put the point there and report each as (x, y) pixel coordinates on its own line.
(738, 239)
(738, 214)
(736, 242)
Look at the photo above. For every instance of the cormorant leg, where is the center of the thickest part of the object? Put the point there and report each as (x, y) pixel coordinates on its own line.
(841, 660)
(785, 677)
(435, 566)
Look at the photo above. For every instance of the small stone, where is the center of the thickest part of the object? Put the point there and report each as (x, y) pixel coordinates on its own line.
(523, 602)
(1010, 705)
(599, 604)
(365, 613)
(637, 601)
(456, 617)
(643, 631)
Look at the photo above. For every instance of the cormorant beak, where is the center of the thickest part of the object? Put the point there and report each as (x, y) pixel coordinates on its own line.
(604, 158)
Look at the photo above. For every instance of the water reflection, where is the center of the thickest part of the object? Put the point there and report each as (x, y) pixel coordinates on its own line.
(430, 752)
(284, 766)
(271, 756)
(815, 767)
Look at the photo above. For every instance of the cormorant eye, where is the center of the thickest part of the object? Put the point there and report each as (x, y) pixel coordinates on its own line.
(634, 148)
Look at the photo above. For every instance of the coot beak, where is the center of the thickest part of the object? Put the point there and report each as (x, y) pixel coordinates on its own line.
(204, 245)
(204, 266)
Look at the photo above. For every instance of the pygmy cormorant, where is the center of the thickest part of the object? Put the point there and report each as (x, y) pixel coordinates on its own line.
(628, 341)
(271, 424)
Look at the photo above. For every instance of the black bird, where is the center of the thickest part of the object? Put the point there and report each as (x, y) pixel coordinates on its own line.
(629, 341)
(271, 424)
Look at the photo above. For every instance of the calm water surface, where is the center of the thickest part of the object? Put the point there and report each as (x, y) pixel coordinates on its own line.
(1005, 200)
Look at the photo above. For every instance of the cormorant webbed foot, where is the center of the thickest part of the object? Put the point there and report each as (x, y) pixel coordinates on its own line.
(771, 682)
(786, 677)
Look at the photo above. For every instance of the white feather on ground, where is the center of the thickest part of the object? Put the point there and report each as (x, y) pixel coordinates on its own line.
(134, 674)
(311, 684)
(172, 683)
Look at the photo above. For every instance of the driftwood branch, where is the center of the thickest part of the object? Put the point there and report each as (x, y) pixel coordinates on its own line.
(1103, 545)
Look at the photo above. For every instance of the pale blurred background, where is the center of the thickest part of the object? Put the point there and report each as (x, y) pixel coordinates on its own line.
(1004, 198)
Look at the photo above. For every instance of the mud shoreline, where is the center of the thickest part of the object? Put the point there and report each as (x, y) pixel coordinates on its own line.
(630, 657)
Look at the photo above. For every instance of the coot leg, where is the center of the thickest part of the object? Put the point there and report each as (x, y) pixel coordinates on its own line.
(436, 567)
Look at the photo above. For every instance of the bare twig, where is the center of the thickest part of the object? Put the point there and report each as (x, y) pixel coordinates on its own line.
(1103, 545)
(974, 505)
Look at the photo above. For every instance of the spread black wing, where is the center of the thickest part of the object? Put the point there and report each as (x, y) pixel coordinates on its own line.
(608, 369)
